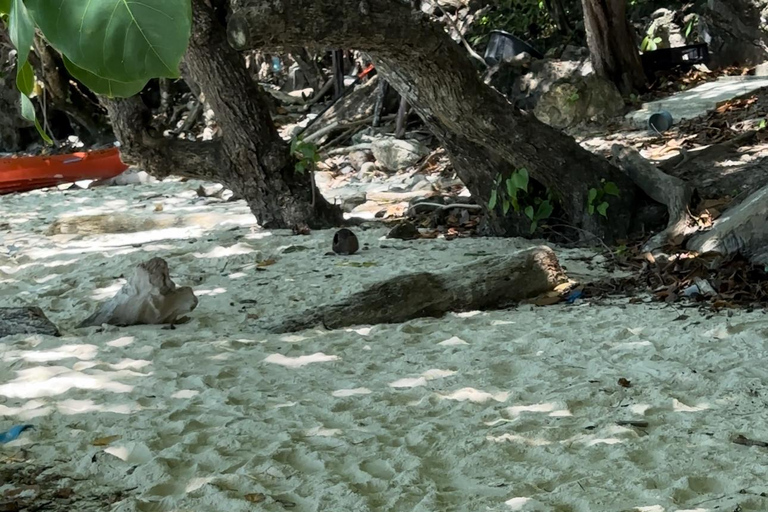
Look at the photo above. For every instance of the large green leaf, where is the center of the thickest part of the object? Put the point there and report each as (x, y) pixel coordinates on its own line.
(105, 86)
(5, 7)
(21, 30)
(122, 40)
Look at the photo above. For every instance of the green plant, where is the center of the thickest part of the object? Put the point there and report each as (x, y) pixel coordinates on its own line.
(543, 211)
(573, 98)
(514, 194)
(306, 155)
(596, 198)
(689, 26)
(113, 47)
(650, 41)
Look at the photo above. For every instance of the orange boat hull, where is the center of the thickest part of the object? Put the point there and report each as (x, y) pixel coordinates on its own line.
(33, 172)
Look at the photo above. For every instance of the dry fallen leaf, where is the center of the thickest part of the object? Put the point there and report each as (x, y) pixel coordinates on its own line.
(255, 497)
(105, 441)
(625, 383)
(547, 299)
(266, 263)
(159, 207)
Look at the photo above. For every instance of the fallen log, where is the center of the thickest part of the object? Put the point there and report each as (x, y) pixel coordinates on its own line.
(742, 229)
(149, 297)
(29, 320)
(672, 192)
(487, 283)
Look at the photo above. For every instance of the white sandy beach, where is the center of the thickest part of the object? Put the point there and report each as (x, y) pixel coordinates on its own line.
(501, 411)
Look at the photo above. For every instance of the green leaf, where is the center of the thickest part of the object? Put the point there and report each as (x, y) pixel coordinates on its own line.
(520, 179)
(511, 189)
(544, 211)
(505, 206)
(308, 150)
(21, 30)
(591, 209)
(602, 208)
(529, 212)
(611, 189)
(515, 203)
(534, 225)
(5, 7)
(492, 201)
(592, 195)
(104, 86)
(301, 167)
(123, 40)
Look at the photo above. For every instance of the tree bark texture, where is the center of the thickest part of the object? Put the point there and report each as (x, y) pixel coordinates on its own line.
(250, 158)
(478, 127)
(83, 112)
(612, 46)
(27, 320)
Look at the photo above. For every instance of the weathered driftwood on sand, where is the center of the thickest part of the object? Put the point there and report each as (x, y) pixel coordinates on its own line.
(149, 297)
(29, 320)
(742, 229)
(488, 283)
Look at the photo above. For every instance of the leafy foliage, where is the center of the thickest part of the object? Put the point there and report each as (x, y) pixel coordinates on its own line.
(515, 195)
(306, 155)
(21, 30)
(596, 198)
(114, 47)
(116, 43)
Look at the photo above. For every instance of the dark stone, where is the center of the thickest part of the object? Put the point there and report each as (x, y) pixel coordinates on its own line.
(345, 242)
(404, 231)
(28, 320)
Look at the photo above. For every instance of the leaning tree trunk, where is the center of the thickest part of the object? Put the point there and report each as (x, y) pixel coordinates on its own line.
(611, 41)
(250, 157)
(483, 133)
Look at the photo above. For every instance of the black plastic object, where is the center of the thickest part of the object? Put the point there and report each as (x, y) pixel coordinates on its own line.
(503, 45)
(668, 58)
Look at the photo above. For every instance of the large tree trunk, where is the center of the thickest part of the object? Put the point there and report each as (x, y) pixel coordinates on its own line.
(250, 158)
(483, 133)
(611, 41)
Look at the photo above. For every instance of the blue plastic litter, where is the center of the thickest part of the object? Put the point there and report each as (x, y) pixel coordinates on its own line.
(574, 296)
(13, 433)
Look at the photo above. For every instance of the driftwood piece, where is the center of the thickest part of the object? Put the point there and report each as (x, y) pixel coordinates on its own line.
(29, 320)
(149, 297)
(742, 229)
(672, 192)
(487, 283)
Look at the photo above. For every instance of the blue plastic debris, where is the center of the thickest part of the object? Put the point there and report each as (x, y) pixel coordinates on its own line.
(13, 433)
(574, 296)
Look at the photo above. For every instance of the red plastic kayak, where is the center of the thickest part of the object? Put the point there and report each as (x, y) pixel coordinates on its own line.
(24, 173)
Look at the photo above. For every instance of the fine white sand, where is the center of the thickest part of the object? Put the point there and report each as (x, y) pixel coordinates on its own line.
(506, 410)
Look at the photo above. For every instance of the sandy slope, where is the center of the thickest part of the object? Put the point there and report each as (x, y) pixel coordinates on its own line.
(508, 410)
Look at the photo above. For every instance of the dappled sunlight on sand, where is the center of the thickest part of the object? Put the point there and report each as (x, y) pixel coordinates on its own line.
(518, 409)
(298, 362)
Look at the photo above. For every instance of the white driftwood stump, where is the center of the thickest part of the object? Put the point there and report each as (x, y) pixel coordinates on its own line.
(149, 297)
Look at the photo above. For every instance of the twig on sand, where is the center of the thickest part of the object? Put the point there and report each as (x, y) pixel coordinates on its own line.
(740, 439)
